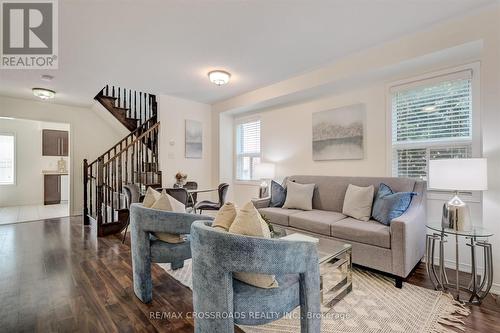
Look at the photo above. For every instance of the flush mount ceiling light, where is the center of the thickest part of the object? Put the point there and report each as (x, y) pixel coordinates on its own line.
(43, 93)
(47, 77)
(219, 77)
(431, 108)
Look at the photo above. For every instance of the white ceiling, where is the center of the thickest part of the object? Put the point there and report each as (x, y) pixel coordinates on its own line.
(167, 47)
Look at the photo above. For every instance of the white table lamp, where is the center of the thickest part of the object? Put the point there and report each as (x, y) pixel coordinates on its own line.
(459, 174)
(264, 172)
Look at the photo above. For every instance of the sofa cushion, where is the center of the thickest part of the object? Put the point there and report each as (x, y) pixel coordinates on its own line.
(150, 198)
(368, 232)
(389, 205)
(299, 196)
(168, 203)
(358, 202)
(225, 216)
(330, 191)
(248, 222)
(278, 215)
(278, 194)
(317, 221)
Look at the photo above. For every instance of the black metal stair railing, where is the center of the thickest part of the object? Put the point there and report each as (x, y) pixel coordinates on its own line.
(133, 160)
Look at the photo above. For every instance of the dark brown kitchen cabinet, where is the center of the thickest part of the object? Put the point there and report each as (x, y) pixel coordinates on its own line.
(54, 143)
(51, 189)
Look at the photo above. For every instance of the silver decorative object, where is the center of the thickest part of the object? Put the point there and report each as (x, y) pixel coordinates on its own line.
(456, 214)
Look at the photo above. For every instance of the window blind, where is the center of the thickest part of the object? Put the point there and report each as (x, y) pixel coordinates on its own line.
(248, 138)
(412, 162)
(247, 149)
(7, 159)
(431, 119)
(435, 112)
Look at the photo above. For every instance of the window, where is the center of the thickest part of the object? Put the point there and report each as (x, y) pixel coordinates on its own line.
(7, 159)
(247, 148)
(431, 119)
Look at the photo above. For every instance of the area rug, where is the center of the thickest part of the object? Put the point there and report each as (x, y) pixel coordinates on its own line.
(374, 305)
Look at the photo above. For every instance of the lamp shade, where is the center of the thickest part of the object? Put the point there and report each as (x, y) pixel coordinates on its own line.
(265, 171)
(458, 174)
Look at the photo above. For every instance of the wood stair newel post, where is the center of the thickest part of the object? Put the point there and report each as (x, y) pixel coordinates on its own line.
(86, 220)
(100, 190)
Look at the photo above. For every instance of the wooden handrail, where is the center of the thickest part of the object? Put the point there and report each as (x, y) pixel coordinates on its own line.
(124, 139)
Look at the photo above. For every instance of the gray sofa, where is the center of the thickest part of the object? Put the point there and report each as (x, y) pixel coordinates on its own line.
(394, 249)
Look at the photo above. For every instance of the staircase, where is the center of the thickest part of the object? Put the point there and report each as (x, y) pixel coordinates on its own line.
(133, 160)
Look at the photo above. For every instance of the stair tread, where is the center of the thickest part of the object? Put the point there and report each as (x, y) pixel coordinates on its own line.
(109, 97)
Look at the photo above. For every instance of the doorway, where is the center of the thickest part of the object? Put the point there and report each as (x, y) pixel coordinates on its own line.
(34, 170)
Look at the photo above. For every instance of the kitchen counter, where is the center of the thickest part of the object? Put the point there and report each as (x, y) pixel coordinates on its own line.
(55, 172)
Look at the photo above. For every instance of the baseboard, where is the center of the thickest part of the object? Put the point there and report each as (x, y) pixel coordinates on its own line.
(495, 288)
(463, 267)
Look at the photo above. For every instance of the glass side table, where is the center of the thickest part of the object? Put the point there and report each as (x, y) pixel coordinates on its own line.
(479, 286)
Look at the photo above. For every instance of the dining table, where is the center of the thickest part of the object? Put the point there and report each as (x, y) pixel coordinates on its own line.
(197, 191)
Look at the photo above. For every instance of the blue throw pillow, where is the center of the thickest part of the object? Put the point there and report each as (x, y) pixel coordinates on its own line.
(389, 205)
(278, 195)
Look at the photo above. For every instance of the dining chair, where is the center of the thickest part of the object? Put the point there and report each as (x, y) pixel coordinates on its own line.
(180, 194)
(210, 205)
(193, 197)
(132, 195)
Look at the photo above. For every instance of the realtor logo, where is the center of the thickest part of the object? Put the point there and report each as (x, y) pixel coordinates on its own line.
(29, 34)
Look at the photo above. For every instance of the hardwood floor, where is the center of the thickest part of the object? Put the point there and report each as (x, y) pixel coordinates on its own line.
(55, 276)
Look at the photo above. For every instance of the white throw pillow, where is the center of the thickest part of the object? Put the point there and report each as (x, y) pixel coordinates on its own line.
(248, 222)
(168, 203)
(299, 196)
(358, 202)
(225, 217)
(150, 197)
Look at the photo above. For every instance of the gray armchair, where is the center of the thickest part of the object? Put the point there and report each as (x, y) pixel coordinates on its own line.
(217, 254)
(147, 249)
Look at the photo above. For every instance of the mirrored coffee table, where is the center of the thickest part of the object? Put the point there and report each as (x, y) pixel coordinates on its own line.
(335, 264)
(479, 285)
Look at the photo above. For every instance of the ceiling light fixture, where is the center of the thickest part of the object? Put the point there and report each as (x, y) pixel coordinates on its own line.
(47, 77)
(219, 77)
(43, 93)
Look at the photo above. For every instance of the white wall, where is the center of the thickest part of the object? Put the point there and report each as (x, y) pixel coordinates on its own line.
(286, 136)
(173, 112)
(285, 108)
(90, 136)
(28, 189)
